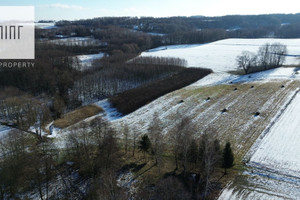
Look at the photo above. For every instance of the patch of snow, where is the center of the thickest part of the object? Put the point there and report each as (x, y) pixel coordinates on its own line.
(45, 25)
(4, 131)
(53, 131)
(90, 57)
(215, 78)
(86, 61)
(281, 73)
(110, 112)
(126, 180)
(156, 34)
(259, 184)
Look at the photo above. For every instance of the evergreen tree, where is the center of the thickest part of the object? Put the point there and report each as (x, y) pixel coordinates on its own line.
(144, 144)
(228, 157)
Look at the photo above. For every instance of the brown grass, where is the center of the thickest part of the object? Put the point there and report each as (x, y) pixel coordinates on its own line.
(77, 116)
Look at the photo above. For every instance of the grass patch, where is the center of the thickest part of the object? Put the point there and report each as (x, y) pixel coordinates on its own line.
(237, 72)
(77, 116)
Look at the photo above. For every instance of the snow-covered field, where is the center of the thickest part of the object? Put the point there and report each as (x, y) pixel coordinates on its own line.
(221, 56)
(261, 185)
(282, 73)
(274, 164)
(279, 149)
(45, 25)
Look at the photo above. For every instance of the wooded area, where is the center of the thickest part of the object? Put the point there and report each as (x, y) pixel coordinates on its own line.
(133, 99)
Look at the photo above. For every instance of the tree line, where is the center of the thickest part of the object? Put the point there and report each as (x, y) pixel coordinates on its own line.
(181, 24)
(130, 100)
(268, 56)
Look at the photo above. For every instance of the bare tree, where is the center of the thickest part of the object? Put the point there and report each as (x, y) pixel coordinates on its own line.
(271, 55)
(157, 140)
(279, 52)
(209, 157)
(247, 61)
(106, 187)
(268, 56)
(135, 135)
(126, 137)
(264, 56)
(182, 138)
(15, 163)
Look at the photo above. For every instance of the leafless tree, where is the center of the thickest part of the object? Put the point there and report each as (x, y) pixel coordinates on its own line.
(246, 61)
(182, 137)
(268, 56)
(264, 56)
(134, 134)
(157, 140)
(271, 55)
(126, 134)
(106, 187)
(279, 52)
(210, 158)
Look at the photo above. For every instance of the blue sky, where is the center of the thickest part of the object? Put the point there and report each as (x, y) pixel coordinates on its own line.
(82, 9)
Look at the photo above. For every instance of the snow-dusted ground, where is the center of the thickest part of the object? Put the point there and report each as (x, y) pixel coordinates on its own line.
(261, 185)
(206, 113)
(156, 34)
(86, 61)
(279, 149)
(111, 113)
(3, 131)
(221, 56)
(274, 163)
(217, 78)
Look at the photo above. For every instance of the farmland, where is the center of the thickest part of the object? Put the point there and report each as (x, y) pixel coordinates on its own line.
(273, 159)
(240, 122)
(226, 51)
